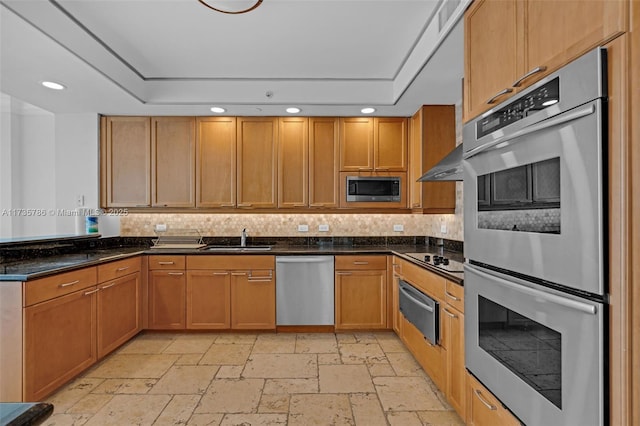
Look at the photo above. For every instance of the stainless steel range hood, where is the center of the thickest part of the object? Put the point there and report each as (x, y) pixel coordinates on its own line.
(448, 169)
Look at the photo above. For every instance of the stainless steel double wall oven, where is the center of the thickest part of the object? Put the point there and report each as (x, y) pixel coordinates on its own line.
(534, 223)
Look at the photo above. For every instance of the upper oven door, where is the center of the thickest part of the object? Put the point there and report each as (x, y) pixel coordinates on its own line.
(533, 201)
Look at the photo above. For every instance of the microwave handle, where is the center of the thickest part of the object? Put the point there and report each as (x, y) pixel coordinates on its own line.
(531, 129)
(569, 303)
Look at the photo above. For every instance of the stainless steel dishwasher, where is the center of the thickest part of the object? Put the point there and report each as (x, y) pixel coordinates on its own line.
(304, 290)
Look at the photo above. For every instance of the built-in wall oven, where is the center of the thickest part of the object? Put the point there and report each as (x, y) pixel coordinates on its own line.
(534, 220)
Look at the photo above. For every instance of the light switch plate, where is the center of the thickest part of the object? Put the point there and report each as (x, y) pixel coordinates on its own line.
(303, 228)
(161, 227)
(443, 228)
(398, 228)
(323, 228)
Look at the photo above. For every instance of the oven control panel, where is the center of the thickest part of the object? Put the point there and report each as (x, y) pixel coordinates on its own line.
(536, 100)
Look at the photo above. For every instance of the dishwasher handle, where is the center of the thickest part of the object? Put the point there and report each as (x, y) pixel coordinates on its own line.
(303, 259)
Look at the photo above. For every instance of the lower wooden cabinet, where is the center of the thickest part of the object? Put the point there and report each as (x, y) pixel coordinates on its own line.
(432, 358)
(253, 300)
(484, 409)
(453, 330)
(360, 292)
(167, 295)
(59, 342)
(208, 299)
(119, 312)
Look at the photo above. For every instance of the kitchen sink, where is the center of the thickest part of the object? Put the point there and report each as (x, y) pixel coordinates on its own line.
(237, 248)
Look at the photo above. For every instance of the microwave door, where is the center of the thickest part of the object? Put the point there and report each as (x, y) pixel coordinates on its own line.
(534, 203)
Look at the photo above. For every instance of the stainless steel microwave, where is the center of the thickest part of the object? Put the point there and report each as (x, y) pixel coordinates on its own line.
(373, 189)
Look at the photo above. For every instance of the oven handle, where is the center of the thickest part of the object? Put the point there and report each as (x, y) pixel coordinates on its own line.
(416, 301)
(531, 129)
(569, 303)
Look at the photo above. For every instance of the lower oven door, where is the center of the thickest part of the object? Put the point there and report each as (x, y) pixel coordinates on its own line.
(538, 350)
(420, 310)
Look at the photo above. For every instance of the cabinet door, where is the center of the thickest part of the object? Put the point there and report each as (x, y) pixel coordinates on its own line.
(208, 299)
(324, 152)
(173, 161)
(390, 144)
(126, 162)
(484, 409)
(167, 293)
(415, 160)
(293, 162)
(257, 161)
(59, 342)
(216, 162)
(361, 299)
(491, 47)
(253, 300)
(356, 144)
(552, 40)
(453, 329)
(118, 312)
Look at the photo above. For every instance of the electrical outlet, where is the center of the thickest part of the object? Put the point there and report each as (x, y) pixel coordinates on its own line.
(161, 227)
(443, 228)
(323, 228)
(79, 200)
(303, 228)
(398, 228)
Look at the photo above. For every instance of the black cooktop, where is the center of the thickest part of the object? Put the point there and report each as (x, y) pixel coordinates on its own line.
(438, 261)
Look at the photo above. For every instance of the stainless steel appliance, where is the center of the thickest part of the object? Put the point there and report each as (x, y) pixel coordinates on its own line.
(420, 310)
(535, 293)
(373, 189)
(304, 290)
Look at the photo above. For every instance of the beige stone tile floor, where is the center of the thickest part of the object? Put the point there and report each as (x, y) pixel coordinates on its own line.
(364, 379)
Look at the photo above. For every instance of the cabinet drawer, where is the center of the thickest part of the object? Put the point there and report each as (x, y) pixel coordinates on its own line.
(360, 262)
(454, 296)
(231, 262)
(484, 409)
(166, 262)
(428, 282)
(119, 268)
(42, 289)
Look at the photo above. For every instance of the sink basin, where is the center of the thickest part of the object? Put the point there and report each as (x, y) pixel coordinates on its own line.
(237, 248)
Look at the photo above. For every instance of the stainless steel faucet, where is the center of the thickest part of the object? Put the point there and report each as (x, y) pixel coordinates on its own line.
(243, 238)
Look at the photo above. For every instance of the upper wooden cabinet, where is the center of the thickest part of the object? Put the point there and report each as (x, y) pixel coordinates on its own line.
(324, 152)
(432, 136)
(215, 162)
(511, 44)
(373, 144)
(173, 162)
(257, 161)
(125, 160)
(293, 162)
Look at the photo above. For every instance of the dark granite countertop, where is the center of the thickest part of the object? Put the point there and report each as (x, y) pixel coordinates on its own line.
(32, 265)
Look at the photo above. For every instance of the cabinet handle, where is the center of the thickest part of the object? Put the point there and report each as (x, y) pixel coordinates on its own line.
(238, 274)
(365, 169)
(166, 263)
(500, 93)
(122, 269)
(107, 286)
(299, 205)
(451, 296)
(449, 313)
(227, 205)
(360, 262)
(486, 404)
(220, 273)
(343, 273)
(245, 205)
(91, 292)
(261, 278)
(536, 70)
(175, 273)
(68, 284)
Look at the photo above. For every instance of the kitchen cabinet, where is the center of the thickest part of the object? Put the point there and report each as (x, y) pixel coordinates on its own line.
(119, 313)
(484, 409)
(257, 162)
(373, 144)
(453, 342)
(432, 136)
(226, 291)
(360, 292)
(511, 44)
(324, 155)
(167, 292)
(125, 161)
(395, 296)
(59, 331)
(293, 162)
(215, 162)
(173, 161)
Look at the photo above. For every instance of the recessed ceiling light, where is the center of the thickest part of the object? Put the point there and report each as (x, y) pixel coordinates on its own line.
(368, 110)
(293, 110)
(218, 110)
(53, 85)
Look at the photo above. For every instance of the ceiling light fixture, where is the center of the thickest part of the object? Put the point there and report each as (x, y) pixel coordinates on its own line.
(53, 85)
(218, 110)
(293, 110)
(231, 12)
(368, 110)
